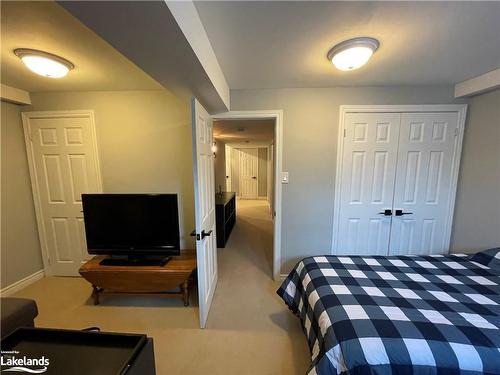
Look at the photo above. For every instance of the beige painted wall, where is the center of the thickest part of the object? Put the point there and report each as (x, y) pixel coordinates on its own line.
(310, 131)
(144, 140)
(261, 168)
(262, 177)
(20, 247)
(477, 211)
(220, 166)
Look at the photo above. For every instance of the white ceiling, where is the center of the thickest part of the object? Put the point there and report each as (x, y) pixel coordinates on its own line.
(284, 44)
(47, 26)
(244, 131)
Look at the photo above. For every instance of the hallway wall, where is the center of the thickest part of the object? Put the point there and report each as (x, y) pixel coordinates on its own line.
(220, 166)
(262, 171)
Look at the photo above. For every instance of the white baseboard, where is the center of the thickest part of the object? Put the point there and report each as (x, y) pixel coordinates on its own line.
(21, 284)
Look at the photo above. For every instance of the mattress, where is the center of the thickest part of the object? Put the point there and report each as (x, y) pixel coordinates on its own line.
(399, 314)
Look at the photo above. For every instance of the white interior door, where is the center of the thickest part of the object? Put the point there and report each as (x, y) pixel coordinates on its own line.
(368, 172)
(63, 160)
(424, 183)
(249, 164)
(206, 249)
(228, 168)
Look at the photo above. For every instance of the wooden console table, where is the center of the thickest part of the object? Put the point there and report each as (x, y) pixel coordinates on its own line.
(159, 280)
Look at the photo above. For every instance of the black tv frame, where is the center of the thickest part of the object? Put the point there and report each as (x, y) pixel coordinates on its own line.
(133, 255)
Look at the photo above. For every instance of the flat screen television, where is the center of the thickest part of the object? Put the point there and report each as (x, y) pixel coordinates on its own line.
(135, 225)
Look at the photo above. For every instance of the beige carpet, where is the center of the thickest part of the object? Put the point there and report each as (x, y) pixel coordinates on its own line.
(249, 330)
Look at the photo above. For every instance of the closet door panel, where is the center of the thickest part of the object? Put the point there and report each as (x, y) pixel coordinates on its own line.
(423, 183)
(368, 173)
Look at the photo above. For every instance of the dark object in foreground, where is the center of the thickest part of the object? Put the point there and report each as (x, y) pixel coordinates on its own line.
(82, 352)
(17, 312)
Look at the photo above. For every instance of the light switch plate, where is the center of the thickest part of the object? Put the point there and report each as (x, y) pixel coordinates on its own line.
(284, 178)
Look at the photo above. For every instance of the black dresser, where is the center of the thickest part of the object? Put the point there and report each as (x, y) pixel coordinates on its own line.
(225, 212)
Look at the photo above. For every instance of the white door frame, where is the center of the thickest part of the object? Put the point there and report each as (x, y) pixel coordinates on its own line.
(277, 116)
(26, 116)
(460, 109)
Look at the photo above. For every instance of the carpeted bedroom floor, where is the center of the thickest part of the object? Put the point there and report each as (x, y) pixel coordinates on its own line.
(249, 330)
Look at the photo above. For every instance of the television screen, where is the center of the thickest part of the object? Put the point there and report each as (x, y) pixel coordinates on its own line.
(128, 224)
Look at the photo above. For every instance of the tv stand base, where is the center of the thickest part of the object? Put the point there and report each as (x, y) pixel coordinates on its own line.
(134, 262)
(183, 293)
(172, 279)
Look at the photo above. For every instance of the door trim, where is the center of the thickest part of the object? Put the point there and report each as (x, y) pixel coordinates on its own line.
(26, 117)
(277, 116)
(459, 109)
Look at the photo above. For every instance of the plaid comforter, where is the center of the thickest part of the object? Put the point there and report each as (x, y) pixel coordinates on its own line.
(399, 315)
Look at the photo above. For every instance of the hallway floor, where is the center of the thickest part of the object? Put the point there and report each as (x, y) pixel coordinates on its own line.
(249, 330)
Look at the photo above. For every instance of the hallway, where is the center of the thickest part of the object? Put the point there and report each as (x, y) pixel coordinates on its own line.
(245, 271)
(249, 331)
(260, 328)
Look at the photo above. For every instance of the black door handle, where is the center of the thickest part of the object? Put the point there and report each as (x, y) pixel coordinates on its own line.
(193, 233)
(205, 234)
(254, 177)
(386, 212)
(401, 213)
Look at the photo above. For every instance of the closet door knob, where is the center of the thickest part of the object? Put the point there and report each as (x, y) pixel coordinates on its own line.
(401, 213)
(386, 212)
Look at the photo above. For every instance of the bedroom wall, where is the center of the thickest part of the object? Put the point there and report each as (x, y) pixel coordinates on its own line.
(310, 146)
(144, 140)
(20, 247)
(477, 211)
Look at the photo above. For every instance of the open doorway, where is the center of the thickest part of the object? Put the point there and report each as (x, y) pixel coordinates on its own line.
(244, 174)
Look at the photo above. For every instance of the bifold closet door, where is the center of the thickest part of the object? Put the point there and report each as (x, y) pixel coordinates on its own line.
(423, 187)
(368, 175)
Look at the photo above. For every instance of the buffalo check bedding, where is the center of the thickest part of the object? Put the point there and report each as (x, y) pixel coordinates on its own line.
(399, 314)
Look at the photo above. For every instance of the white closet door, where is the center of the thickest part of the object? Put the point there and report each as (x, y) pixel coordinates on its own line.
(62, 152)
(368, 172)
(248, 173)
(424, 184)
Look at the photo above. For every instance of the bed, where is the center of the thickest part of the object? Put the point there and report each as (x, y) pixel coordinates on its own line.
(399, 314)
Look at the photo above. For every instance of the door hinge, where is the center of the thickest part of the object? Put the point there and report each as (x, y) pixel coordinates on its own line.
(345, 133)
(456, 132)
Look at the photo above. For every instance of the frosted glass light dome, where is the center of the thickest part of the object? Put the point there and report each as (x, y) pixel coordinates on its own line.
(43, 63)
(353, 53)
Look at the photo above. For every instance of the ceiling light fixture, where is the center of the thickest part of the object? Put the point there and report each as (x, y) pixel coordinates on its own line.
(353, 53)
(44, 63)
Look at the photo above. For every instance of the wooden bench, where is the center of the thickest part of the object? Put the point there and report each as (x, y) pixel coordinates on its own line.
(150, 280)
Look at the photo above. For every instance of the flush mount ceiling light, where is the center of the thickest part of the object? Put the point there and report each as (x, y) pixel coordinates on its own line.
(353, 53)
(44, 63)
